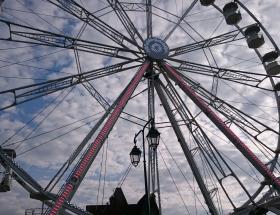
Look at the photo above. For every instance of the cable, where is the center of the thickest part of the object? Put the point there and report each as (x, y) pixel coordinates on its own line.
(128, 169)
(225, 141)
(45, 117)
(40, 17)
(34, 67)
(182, 173)
(55, 129)
(33, 118)
(249, 104)
(178, 191)
(19, 47)
(31, 59)
(248, 100)
(41, 14)
(41, 144)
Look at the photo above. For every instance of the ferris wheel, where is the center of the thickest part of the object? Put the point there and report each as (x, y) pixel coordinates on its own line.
(139, 107)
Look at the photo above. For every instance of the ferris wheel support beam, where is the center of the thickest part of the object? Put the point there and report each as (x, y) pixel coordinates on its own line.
(152, 162)
(88, 157)
(186, 150)
(214, 41)
(238, 143)
(73, 8)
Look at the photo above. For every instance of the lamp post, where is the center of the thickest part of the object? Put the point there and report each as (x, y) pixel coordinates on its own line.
(135, 154)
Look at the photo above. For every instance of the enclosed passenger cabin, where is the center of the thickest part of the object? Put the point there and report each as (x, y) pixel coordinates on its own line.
(271, 65)
(6, 180)
(253, 36)
(232, 13)
(206, 2)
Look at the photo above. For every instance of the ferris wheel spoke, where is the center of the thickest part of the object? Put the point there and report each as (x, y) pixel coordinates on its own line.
(125, 19)
(26, 93)
(250, 79)
(73, 8)
(149, 18)
(210, 42)
(180, 20)
(236, 141)
(25, 34)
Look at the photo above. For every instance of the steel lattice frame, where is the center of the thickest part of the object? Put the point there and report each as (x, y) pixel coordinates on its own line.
(162, 68)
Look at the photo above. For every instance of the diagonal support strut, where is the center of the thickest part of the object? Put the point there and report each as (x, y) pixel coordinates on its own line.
(94, 148)
(238, 143)
(186, 150)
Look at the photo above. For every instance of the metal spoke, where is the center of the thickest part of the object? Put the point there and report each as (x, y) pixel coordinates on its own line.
(126, 21)
(29, 35)
(237, 76)
(73, 8)
(181, 19)
(217, 40)
(149, 18)
(26, 93)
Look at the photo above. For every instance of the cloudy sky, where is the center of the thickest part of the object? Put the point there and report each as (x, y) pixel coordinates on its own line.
(45, 131)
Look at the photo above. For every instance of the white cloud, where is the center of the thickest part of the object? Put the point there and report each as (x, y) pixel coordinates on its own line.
(42, 162)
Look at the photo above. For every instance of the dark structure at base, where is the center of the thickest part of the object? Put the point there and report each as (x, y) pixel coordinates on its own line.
(119, 206)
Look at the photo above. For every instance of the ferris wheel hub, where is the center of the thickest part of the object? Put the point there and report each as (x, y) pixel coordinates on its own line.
(156, 48)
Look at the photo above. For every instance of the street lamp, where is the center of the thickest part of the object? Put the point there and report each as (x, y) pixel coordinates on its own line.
(135, 155)
(153, 137)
